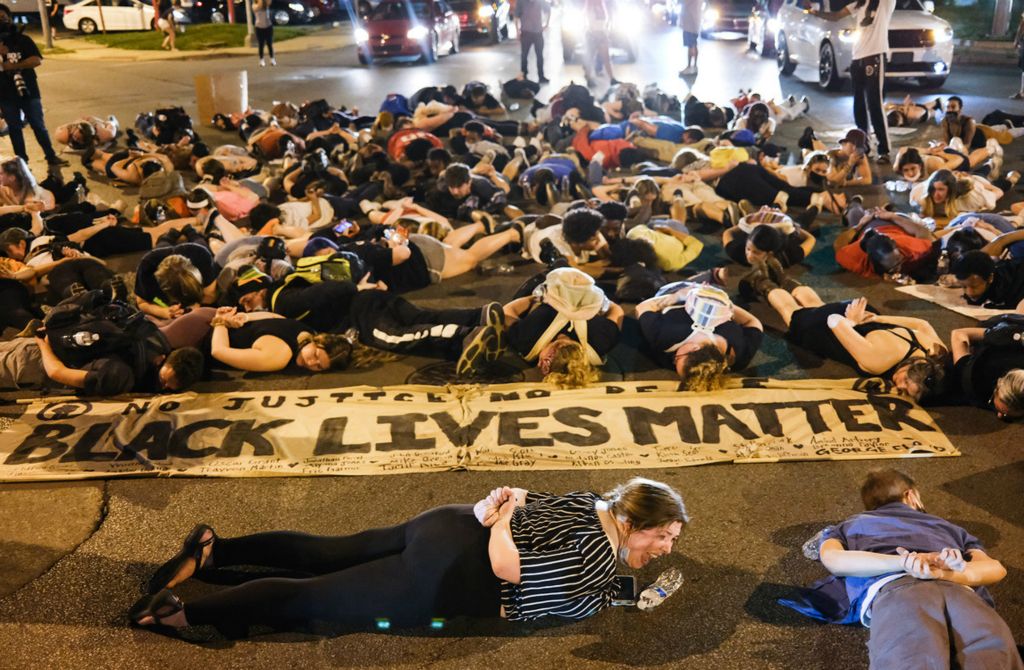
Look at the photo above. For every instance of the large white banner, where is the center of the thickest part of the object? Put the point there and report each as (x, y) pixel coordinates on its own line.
(366, 430)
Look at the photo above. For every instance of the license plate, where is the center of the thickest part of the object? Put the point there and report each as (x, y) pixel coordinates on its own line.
(901, 57)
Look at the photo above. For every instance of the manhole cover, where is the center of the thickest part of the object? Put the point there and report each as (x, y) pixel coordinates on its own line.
(443, 373)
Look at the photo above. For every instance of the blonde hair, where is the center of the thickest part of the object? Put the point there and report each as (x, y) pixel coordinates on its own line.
(570, 368)
(180, 280)
(645, 503)
(1010, 389)
(704, 369)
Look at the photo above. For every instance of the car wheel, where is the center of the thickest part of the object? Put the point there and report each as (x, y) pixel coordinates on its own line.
(456, 42)
(364, 59)
(281, 17)
(430, 51)
(828, 72)
(785, 64)
(932, 82)
(217, 17)
(87, 26)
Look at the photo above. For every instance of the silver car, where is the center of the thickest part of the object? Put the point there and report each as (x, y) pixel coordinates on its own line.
(920, 44)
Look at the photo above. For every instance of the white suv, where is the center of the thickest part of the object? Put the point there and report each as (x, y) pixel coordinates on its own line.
(920, 44)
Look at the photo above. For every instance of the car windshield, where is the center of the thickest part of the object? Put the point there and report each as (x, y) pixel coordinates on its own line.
(910, 5)
(464, 5)
(391, 11)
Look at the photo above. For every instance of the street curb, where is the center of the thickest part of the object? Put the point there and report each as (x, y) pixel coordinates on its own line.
(321, 40)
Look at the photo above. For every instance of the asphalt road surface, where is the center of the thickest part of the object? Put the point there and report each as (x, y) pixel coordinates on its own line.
(75, 554)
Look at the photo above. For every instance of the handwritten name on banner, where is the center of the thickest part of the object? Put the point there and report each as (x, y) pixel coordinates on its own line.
(393, 430)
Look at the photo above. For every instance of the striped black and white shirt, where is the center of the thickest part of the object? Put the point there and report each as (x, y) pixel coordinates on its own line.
(566, 562)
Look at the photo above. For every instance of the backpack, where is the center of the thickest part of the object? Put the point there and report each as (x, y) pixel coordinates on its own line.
(1004, 331)
(161, 186)
(397, 104)
(116, 328)
(521, 89)
(339, 266)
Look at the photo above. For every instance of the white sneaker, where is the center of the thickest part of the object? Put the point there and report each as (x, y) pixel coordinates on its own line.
(263, 63)
(273, 62)
(598, 158)
(995, 151)
(957, 144)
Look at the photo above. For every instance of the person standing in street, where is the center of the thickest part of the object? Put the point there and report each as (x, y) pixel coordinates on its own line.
(165, 24)
(264, 30)
(867, 70)
(1018, 44)
(532, 18)
(690, 22)
(596, 18)
(20, 99)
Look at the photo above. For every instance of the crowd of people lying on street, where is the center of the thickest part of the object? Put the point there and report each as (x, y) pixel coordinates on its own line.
(294, 248)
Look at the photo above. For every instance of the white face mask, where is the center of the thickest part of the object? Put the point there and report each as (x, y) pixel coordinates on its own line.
(624, 554)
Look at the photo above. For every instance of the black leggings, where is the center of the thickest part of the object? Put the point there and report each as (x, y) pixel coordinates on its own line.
(754, 183)
(16, 307)
(435, 565)
(88, 272)
(265, 38)
(387, 321)
(999, 117)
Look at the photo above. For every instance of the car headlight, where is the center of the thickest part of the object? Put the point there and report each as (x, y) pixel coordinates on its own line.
(942, 35)
(711, 16)
(296, 6)
(572, 20)
(361, 35)
(848, 35)
(773, 25)
(485, 12)
(417, 32)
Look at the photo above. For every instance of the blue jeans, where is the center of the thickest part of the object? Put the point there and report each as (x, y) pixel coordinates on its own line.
(32, 108)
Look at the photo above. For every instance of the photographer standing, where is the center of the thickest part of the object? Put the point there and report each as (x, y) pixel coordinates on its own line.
(19, 90)
(867, 70)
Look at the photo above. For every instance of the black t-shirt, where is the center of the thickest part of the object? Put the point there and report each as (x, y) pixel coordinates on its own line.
(19, 48)
(663, 330)
(146, 286)
(488, 102)
(1007, 288)
(976, 374)
(324, 307)
(602, 333)
(791, 253)
(401, 278)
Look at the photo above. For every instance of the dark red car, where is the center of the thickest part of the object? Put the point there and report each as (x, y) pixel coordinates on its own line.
(406, 29)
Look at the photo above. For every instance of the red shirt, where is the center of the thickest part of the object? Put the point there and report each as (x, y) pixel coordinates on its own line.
(400, 140)
(586, 148)
(855, 259)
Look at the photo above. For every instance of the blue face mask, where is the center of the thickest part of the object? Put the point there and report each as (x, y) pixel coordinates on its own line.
(624, 555)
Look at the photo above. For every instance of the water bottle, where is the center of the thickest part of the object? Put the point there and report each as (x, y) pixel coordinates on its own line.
(812, 547)
(82, 338)
(664, 586)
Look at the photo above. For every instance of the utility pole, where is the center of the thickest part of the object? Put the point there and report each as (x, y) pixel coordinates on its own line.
(1001, 18)
(44, 19)
(250, 36)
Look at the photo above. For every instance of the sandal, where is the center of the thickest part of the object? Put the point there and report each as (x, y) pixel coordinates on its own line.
(159, 606)
(191, 550)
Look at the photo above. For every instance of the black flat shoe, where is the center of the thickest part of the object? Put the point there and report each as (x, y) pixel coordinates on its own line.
(192, 549)
(159, 606)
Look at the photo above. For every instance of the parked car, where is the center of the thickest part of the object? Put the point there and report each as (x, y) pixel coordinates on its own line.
(628, 20)
(406, 29)
(484, 17)
(117, 15)
(282, 12)
(721, 16)
(920, 44)
(762, 25)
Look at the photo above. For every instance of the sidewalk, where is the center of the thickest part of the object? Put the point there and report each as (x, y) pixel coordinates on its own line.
(985, 52)
(324, 39)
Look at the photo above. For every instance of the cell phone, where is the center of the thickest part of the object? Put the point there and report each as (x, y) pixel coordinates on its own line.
(343, 227)
(388, 233)
(624, 594)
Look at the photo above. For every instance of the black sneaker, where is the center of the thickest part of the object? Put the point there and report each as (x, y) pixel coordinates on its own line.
(480, 345)
(883, 159)
(544, 80)
(56, 160)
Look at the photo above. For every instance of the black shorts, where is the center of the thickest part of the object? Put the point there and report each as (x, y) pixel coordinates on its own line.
(690, 39)
(809, 330)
